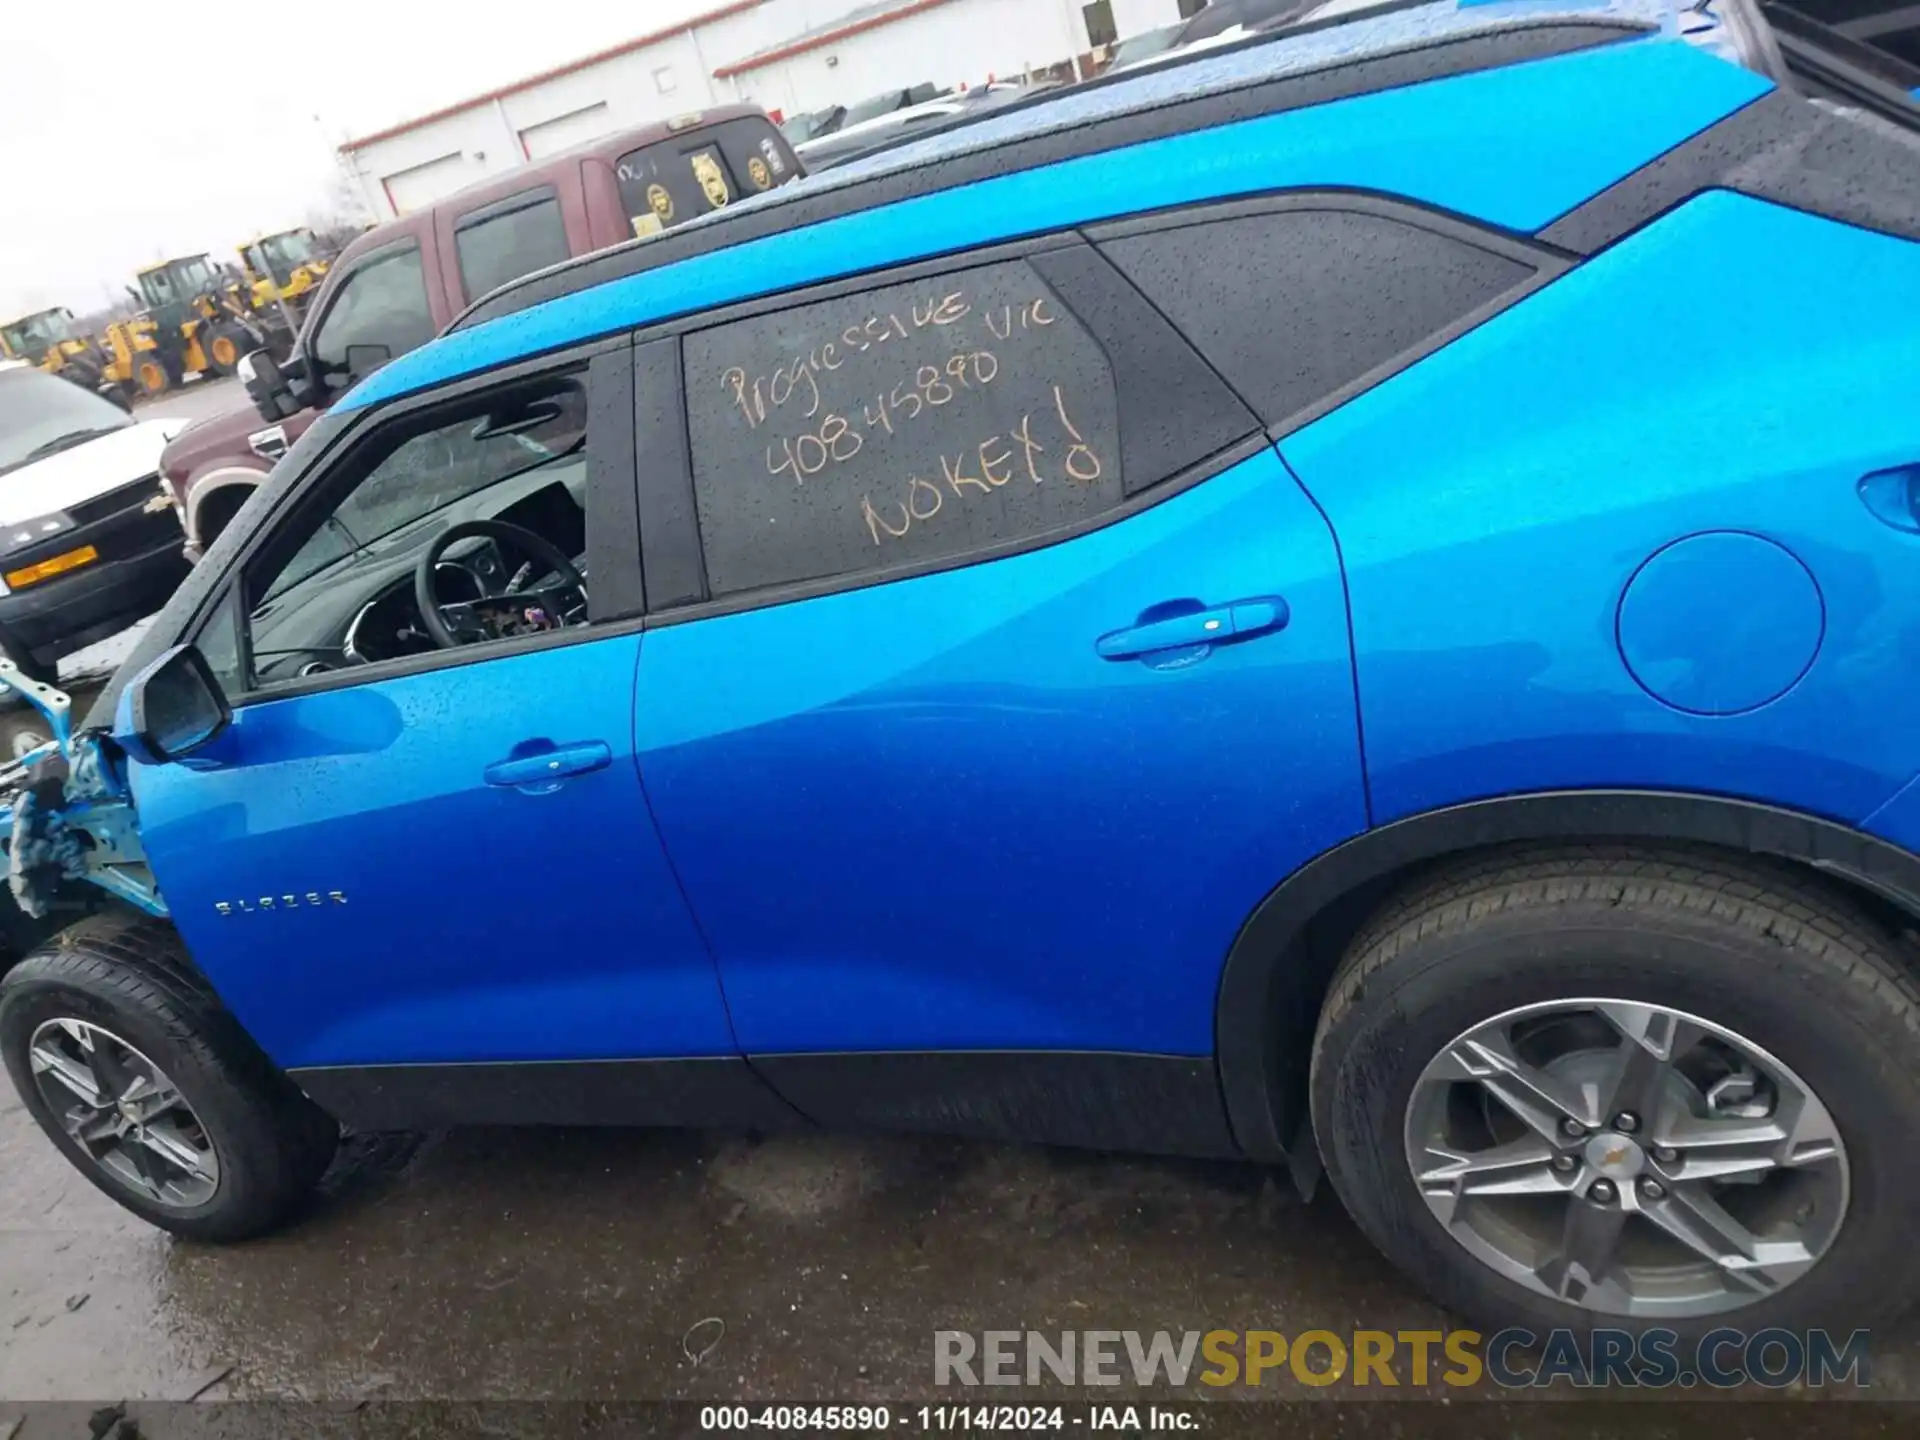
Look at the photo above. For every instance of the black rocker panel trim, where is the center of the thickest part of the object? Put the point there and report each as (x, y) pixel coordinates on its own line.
(1146, 1104)
(1508, 45)
(1276, 973)
(1780, 148)
(720, 1093)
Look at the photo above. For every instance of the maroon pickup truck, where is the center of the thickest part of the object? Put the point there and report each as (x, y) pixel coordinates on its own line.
(401, 283)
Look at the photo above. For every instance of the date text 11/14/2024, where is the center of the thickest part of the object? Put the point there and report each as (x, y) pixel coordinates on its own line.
(951, 1419)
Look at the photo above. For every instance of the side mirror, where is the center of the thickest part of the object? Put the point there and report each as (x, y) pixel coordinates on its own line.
(363, 360)
(267, 387)
(170, 709)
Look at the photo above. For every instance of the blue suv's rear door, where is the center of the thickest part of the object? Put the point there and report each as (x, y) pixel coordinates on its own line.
(998, 667)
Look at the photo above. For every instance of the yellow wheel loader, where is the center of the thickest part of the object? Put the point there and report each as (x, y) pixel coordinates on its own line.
(281, 271)
(51, 340)
(195, 319)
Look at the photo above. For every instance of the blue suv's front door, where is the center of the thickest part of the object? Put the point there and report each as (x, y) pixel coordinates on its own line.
(452, 860)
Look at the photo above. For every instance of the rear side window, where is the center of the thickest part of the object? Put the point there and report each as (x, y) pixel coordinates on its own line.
(702, 170)
(508, 239)
(756, 153)
(898, 426)
(1296, 305)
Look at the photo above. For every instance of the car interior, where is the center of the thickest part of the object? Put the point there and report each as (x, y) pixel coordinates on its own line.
(458, 531)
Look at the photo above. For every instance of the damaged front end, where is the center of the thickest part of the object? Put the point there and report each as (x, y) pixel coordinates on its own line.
(66, 814)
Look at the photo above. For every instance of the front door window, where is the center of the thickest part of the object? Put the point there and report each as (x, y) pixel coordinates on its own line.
(379, 312)
(489, 499)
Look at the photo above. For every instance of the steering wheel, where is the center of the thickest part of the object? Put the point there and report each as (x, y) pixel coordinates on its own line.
(464, 622)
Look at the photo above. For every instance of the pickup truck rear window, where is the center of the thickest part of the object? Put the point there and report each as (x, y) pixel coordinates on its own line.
(702, 169)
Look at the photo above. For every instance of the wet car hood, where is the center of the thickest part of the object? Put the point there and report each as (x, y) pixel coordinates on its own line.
(86, 471)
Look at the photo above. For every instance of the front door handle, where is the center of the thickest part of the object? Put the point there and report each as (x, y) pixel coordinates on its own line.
(542, 770)
(1239, 620)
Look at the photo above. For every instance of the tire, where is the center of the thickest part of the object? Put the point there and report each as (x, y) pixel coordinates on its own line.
(153, 374)
(84, 373)
(130, 977)
(223, 346)
(1771, 954)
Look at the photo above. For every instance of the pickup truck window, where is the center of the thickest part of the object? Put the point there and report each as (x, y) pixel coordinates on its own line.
(383, 302)
(678, 179)
(508, 239)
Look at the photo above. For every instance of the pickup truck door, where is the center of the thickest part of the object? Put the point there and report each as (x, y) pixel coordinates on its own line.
(448, 861)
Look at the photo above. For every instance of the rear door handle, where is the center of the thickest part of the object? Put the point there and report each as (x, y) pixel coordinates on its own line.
(1239, 620)
(543, 770)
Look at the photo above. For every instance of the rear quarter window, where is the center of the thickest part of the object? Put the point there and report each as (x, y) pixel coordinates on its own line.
(1295, 305)
(902, 425)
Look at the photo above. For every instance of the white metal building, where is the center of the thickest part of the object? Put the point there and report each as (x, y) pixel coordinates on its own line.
(787, 55)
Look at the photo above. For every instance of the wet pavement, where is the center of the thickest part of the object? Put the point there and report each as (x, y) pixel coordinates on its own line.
(616, 1265)
(196, 401)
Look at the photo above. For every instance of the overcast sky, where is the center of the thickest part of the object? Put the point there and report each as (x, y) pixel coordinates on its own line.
(135, 131)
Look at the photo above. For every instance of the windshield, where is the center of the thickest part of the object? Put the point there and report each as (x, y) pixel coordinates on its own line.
(194, 277)
(872, 109)
(1143, 47)
(41, 415)
(803, 128)
(33, 334)
(288, 250)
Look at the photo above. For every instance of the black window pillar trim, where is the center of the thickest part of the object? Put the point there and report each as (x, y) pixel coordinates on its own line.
(615, 584)
(1278, 966)
(676, 566)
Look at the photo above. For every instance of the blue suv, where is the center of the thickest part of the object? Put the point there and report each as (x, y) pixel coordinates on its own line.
(1352, 602)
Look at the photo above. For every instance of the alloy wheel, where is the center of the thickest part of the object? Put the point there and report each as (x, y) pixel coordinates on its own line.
(123, 1111)
(1627, 1158)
